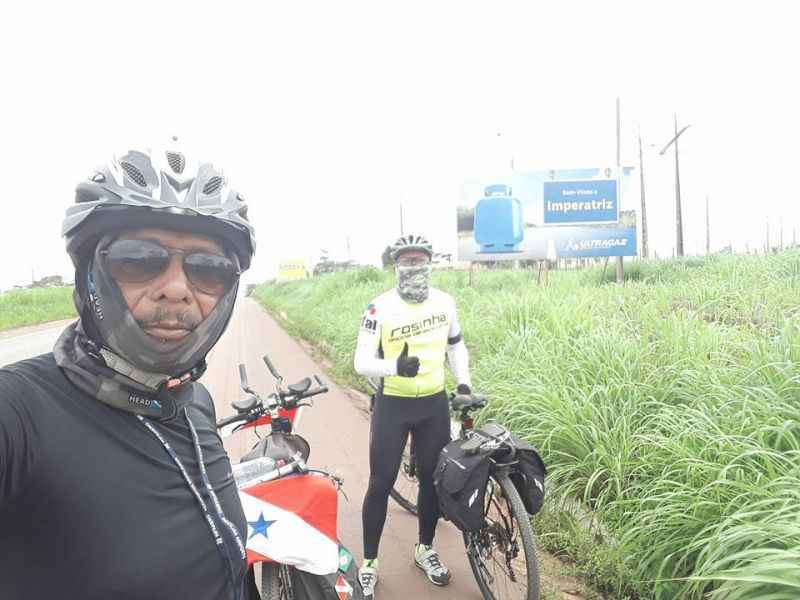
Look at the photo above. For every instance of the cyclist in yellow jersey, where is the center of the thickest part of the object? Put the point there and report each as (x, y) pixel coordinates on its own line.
(406, 335)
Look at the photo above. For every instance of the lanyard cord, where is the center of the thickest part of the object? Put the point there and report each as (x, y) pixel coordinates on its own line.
(212, 525)
(210, 489)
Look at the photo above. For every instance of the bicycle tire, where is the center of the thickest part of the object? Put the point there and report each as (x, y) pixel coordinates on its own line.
(406, 487)
(527, 536)
(403, 501)
(276, 582)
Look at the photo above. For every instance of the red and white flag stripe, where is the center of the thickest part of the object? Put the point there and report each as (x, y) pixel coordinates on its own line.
(286, 538)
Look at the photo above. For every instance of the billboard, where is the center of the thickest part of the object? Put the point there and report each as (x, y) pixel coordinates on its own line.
(509, 218)
(290, 270)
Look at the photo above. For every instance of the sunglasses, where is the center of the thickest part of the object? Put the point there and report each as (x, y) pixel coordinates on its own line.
(138, 261)
(413, 261)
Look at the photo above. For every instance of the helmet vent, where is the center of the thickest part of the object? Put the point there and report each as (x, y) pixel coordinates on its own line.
(213, 185)
(133, 173)
(177, 161)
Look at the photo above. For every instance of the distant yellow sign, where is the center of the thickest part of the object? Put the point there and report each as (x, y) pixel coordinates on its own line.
(292, 269)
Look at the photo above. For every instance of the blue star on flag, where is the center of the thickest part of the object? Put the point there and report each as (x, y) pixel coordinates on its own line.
(260, 526)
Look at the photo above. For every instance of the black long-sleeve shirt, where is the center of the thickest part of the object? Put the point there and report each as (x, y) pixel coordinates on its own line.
(91, 505)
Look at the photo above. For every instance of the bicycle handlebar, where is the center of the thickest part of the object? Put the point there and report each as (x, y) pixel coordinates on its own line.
(233, 419)
(287, 400)
(271, 367)
(296, 398)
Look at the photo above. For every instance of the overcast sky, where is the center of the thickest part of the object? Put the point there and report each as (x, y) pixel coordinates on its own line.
(328, 115)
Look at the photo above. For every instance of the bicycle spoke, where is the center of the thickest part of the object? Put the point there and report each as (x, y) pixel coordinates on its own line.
(286, 579)
(406, 487)
(501, 559)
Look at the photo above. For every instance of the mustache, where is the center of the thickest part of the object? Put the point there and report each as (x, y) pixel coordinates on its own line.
(162, 315)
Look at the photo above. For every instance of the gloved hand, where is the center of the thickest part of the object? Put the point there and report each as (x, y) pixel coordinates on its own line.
(407, 366)
(462, 389)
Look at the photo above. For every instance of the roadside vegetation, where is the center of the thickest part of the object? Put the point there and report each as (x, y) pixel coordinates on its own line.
(666, 409)
(34, 306)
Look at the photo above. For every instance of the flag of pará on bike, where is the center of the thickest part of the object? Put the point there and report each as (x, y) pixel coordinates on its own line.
(288, 530)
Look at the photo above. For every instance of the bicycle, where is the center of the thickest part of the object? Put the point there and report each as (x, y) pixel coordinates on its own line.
(291, 509)
(502, 554)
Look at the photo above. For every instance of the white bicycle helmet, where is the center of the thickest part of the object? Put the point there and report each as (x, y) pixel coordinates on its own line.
(411, 242)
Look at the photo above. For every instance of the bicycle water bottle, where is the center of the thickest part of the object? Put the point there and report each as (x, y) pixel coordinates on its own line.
(254, 471)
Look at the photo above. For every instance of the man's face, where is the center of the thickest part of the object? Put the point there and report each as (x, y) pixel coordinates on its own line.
(412, 258)
(169, 306)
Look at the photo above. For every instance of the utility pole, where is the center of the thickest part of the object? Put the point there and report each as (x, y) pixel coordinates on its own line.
(708, 231)
(402, 233)
(781, 234)
(644, 209)
(618, 129)
(766, 250)
(678, 212)
(620, 264)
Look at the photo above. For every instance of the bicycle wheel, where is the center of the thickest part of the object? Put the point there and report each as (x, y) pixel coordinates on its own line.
(276, 582)
(406, 486)
(502, 555)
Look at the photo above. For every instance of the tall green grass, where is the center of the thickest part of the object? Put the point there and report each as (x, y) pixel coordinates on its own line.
(666, 409)
(33, 306)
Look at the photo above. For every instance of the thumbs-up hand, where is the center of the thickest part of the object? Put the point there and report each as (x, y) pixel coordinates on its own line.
(407, 366)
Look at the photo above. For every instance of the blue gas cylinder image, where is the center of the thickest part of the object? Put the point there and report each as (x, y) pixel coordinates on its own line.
(499, 226)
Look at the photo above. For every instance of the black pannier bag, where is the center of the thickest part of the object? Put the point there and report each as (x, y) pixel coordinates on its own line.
(460, 479)
(529, 475)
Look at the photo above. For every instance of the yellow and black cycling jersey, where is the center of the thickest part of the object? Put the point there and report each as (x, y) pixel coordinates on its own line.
(430, 329)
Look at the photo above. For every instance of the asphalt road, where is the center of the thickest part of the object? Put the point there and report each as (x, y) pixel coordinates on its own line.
(25, 342)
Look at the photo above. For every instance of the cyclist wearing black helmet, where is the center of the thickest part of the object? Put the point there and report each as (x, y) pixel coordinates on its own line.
(113, 481)
(406, 334)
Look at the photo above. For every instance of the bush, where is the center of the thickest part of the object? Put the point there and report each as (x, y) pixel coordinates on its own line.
(665, 408)
(40, 305)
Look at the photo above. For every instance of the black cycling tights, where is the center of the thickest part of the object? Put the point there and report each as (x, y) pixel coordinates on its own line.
(428, 420)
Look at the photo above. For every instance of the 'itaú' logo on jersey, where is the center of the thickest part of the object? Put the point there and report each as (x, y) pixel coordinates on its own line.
(418, 327)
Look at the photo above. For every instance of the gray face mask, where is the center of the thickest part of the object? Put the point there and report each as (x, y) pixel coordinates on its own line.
(412, 282)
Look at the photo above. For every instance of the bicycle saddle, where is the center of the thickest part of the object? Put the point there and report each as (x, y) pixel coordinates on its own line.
(468, 401)
(301, 386)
